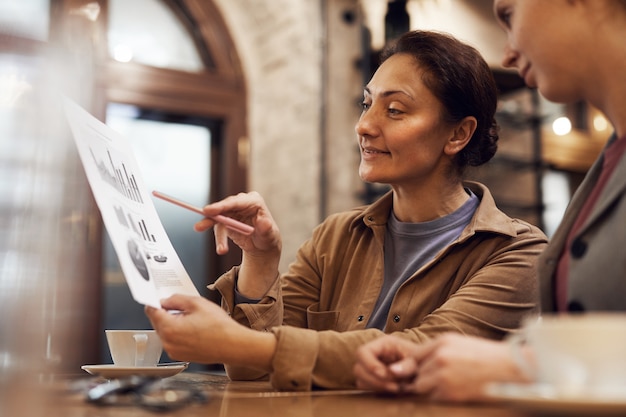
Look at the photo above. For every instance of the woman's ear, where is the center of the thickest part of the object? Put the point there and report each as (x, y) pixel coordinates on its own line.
(461, 135)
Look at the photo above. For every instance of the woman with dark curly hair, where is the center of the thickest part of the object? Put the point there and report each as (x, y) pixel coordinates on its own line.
(433, 255)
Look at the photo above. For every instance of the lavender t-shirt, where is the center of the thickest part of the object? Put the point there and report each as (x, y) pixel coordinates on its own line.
(409, 246)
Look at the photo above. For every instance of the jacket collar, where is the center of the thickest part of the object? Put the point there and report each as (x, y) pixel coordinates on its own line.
(613, 189)
(488, 218)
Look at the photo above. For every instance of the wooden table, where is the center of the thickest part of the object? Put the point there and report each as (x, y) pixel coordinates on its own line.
(226, 398)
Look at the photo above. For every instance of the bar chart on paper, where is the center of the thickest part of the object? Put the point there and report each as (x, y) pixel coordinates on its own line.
(147, 258)
(139, 226)
(118, 176)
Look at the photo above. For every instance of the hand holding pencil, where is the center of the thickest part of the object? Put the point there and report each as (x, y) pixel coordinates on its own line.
(226, 221)
(261, 245)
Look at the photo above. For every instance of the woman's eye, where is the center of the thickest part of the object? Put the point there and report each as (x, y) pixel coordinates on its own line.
(393, 111)
(365, 106)
(505, 17)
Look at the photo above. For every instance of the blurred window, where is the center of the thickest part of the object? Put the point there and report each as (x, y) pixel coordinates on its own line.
(148, 32)
(25, 18)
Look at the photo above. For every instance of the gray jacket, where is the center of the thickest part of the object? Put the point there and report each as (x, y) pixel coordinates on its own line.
(597, 272)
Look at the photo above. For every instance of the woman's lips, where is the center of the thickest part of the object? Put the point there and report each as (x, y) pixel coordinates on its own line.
(371, 153)
(372, 150)
(523, 72)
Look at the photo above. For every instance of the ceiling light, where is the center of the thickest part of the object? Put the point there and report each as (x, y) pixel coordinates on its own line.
(562, 126)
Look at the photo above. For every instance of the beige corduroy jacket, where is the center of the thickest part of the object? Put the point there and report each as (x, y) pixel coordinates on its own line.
(482, 284)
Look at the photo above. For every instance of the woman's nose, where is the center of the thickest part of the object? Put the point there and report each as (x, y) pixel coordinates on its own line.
(365, 126)
(510, 57)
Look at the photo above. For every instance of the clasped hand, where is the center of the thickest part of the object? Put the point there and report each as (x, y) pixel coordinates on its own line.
(451, 367)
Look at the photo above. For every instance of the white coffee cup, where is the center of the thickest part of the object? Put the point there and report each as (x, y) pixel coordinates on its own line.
(134, 348)
(575, 354)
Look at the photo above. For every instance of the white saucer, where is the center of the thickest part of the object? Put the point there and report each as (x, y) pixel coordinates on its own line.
(162, 370)
(543, 399)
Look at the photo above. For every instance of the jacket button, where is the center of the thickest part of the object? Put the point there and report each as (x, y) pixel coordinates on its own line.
(578, 248)
(396, 318)
(360, 318)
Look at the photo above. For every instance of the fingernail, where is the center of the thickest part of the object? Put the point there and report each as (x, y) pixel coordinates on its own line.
(396, 367)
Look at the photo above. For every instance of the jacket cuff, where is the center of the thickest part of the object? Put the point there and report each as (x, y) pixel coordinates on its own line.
(268, 312)
(294, 359)
(225, 285)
